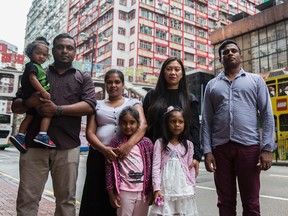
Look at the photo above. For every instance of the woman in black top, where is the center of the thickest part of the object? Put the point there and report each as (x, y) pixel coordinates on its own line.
(171, 90)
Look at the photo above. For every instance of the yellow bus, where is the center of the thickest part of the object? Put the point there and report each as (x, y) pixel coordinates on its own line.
(278, 88)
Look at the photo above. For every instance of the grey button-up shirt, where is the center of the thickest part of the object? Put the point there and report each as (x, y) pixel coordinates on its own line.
(233, 110)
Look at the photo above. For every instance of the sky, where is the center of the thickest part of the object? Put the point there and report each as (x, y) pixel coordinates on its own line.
(13, 17)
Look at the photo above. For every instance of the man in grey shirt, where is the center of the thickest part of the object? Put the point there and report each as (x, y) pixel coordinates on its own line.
(235, 103)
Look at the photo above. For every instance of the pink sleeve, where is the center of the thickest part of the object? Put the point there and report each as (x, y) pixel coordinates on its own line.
(190, 160)
(156, 168)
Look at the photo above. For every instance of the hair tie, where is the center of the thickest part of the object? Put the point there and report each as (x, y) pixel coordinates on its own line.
(169, 109)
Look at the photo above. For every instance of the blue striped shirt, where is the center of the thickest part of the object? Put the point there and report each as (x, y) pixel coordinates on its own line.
(233, 110)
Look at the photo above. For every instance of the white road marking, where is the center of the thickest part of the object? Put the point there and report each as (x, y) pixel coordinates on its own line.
(280, 176)
(262, 196)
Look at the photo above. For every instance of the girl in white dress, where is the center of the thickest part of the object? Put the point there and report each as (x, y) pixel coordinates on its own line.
(173, 175)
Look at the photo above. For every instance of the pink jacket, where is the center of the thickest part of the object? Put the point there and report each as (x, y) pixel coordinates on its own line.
(161, 157)
(112, 169)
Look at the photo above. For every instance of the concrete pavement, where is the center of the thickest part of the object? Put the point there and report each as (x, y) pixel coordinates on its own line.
(8, 194)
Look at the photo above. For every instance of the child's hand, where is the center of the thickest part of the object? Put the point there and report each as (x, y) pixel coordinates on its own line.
(158, 198)
(46, 95)
(195, 164)
(114, 200)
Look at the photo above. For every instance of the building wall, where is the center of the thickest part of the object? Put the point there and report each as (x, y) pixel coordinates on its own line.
(46, 18)
(263, 39)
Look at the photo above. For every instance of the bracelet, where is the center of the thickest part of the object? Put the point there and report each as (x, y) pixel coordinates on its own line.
(59, 111)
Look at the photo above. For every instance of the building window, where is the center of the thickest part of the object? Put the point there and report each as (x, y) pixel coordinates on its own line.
(189, 28)
(190, 3)
(145, 61)
(131, 15)
(188, 42)
(189, 56)
(175, 38)
(145, 45)
(121, 46)
(123, 2)
(176, 24)
(150, 2)
(161, 34)
(158, 63)
(189, 16)
(121, 31)
(201, 47)
(108, 47)
(145, 29)
(122, 15)
(132, 46)
(161, 19)
(120, 62)
(132, 30)
(201, 60)
(175, 10)
(201, 33)
(146, 14)
(161, 49)
(176, 53)
(131, 62)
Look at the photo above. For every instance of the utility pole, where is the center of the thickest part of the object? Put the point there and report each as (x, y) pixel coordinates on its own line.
(93, 50)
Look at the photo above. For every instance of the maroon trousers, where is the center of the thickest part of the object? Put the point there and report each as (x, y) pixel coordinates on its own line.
(236, 161)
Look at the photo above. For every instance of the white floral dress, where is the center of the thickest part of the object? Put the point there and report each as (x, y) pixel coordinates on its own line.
(179, 197)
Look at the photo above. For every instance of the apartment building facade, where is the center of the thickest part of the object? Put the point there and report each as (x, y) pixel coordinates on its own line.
(46, 18)
(137, 36)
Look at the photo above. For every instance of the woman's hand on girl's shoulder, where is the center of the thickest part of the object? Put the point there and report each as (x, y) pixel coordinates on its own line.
(109, 154)
(123, 151)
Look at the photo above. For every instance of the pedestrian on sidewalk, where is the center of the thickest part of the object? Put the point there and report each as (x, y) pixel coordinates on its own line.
(171, 90)
(72, 96)
(234, 103)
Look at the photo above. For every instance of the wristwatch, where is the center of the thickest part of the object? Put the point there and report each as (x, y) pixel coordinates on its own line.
(59, 111)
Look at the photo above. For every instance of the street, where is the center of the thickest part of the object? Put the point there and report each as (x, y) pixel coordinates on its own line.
(274, 190)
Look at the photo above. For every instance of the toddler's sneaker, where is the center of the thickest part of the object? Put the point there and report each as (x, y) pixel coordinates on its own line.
(19, 142)
(44, 139)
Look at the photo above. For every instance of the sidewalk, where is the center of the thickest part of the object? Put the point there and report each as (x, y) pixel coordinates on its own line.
(8, 194)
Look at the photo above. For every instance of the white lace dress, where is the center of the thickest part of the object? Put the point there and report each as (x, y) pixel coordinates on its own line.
(179, 196)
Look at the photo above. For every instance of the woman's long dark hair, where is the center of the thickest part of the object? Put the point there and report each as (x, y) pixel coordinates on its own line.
(166, 134)
(159, 101)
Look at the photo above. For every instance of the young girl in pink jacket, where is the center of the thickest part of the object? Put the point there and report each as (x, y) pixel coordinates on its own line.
(129, 181)
(173, 177)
